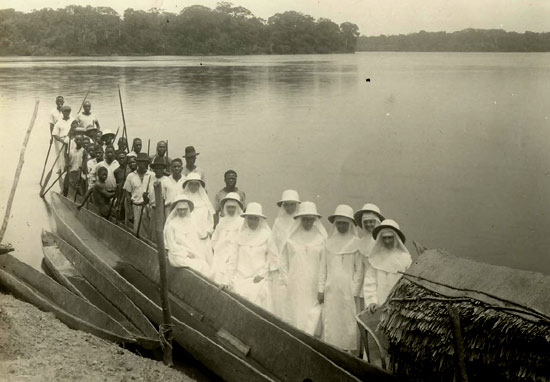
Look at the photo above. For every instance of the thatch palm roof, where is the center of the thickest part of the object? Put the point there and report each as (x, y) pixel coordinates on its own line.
(503, 314)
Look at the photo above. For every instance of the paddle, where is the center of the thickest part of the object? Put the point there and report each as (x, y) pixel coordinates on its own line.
(46, 161)
(53, 184)
(124, 131)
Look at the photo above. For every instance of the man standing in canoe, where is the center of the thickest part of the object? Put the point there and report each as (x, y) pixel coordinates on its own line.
(173, 184)
(60, 134)
(86, 120)
(158, 166)
(190, 159)
(111, 164)
(136, 186)
(162, 156)
(77, 155)
(136, 147)
(55, 113)
(230, 179)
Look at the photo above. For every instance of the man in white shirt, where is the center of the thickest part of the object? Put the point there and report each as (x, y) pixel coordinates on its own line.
(86, 119)
(136, 185)
(111, 164)
(77, 155)
(173, 184)
(60, 134)
(55, 113)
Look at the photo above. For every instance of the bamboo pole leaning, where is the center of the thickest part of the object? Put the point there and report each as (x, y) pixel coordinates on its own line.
(165, 330)
(18, 173)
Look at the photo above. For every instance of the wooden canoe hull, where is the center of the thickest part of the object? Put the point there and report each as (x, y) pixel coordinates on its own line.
(30, 285)
(225, 363)
(271, 346)
(124, 308)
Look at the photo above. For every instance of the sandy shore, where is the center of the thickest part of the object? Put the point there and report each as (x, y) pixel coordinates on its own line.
(35, 346)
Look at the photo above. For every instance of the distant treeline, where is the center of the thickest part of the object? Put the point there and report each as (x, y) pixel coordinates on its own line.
(468, 40)
(227, 29)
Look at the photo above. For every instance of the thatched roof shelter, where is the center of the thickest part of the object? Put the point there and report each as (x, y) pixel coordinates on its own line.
(504, 318)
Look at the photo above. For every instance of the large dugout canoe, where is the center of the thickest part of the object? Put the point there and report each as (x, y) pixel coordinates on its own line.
(71, 269)
(28, 284)
(264, 337)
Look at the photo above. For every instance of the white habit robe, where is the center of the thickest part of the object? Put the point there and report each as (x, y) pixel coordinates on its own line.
(366, 244)
(384, 267)
(255, 254)
(185, 249)
(281, 228)
(300, 264)
(224, 242)
(337, 280)
(203, 213)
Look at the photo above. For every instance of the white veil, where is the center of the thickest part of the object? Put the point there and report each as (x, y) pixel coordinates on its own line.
(340, 244)
(392, 260)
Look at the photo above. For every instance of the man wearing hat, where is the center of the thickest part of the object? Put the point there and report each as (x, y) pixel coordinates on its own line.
(162, 155)
(86, 119)
(190, 158)
(107, 137)
(60, 134)
(136, 185)
(55, 113)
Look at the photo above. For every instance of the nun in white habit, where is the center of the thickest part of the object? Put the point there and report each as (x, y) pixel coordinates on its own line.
(388, 257)
(300, 263)
(182, 240)
(367, 218)
(254, 257)
(225, 234)
(203, 213)
(337, 286)
(288, 206)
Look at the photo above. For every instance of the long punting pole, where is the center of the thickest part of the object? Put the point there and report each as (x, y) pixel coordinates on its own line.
(124, 130)
(460, 373)
(18, 173)
(165, 331)
(142, 207)
(46, 161)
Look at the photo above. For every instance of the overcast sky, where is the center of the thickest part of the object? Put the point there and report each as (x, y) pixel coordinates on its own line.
(373, 17)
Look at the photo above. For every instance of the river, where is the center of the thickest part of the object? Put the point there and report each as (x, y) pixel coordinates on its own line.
(454, 146)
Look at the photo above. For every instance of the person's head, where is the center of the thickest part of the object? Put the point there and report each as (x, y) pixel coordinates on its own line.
(194, 186)
(158, 170)
(388, 239)
(132, 164)
(98, 136)
(91, 150)
(290, 207)
(102, 174)
(99, 153)
(190, 157)
(109, 154)
(176, 167)
(231, 208)
(121, 157)
(307, 221)
(142, 161)
(230, 178)
(59, 101)
(87, 106)
(122, 143)
(66, 110)
(78, 141)
(253, 222)
(161, 148)
(183, 209)
(342, 225)
(136, 145)
(369, 222)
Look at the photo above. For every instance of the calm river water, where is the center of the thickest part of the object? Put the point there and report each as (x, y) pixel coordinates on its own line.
(454, 146)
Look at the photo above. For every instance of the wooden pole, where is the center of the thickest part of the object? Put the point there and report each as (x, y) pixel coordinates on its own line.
(166, 327)
(124, 130)
(142, 207)
(460, 373)
(46, 161)
(18, 173)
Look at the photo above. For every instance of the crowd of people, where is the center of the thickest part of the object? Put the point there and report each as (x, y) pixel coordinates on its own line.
(316, 280)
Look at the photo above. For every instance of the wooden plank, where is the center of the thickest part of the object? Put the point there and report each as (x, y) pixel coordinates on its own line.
(243, 348)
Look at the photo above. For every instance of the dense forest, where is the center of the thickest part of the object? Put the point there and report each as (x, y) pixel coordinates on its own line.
(196, 30)
(468, 40)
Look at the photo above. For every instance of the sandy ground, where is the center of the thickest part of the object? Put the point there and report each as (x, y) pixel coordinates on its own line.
(35, 346)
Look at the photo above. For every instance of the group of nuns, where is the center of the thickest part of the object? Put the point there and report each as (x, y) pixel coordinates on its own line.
(315, 280)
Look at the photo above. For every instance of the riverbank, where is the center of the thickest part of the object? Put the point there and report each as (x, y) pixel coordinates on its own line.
(35, 346)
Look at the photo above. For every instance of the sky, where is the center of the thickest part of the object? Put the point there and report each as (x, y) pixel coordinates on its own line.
(374, 17)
